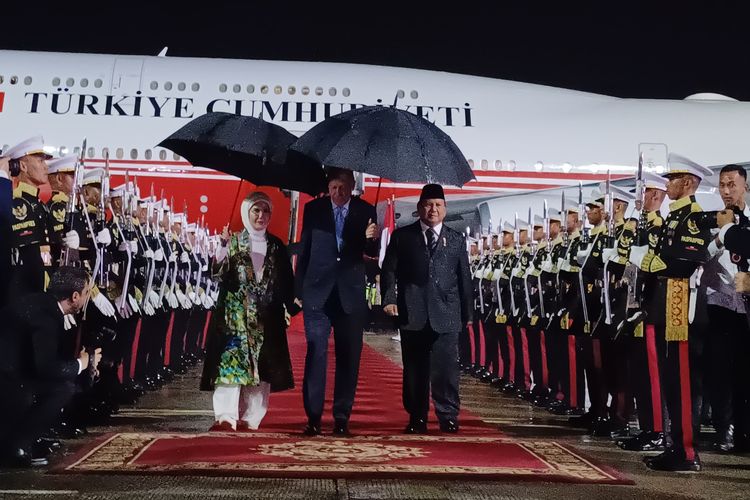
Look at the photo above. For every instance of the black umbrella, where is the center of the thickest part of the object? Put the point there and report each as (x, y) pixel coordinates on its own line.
(246, 147)
(386, 142)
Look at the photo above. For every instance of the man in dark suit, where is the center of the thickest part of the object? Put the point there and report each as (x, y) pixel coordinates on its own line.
(6, 202)
(337, 230)
(37, 378)
(426, 282)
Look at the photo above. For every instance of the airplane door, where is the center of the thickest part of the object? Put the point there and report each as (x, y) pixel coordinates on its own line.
(126, 77)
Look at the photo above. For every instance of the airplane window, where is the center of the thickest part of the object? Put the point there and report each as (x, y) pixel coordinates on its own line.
(84, 82)
(63, 150)
(332, 91)
(237, 88)
(167, 85)
(264, 89)
(346, 92)
(223, 87)
(318, 90)
(90, 153)
(163, 155)
(147, 154)
(105, 152)
(414, 94)
(512, 165)
(195, 87)
(133, 154)
(119, 153)
(250, 88)
(181, 86)
(27, 80)
(1, 79)
(400, 94)
(539, 166)
(13, 80)
(5, 146)
(305, 90)
(485, 165)
(154, 85)
(55, 81)
(498, 164)
(70, 82)
(76, 150)
(176, 157)
(471, 163)
(98, 83)
(291, 90)
(277, 89)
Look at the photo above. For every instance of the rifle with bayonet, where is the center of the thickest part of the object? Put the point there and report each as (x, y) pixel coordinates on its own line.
(67, 258)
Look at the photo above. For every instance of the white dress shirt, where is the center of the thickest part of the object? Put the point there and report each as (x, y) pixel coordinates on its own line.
(436, 230)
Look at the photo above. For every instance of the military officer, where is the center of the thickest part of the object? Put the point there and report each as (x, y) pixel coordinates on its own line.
(681, 249)
(31, 255)
(505, 306)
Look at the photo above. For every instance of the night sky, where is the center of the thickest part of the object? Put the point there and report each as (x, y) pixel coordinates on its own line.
(657, 52)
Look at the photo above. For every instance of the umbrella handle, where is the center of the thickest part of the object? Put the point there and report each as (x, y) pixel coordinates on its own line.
(236, 197)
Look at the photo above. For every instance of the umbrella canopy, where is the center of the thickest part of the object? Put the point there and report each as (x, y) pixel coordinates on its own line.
(246, 147)
(386, 142)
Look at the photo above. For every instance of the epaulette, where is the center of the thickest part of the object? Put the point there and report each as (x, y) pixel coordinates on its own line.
(630, 225)
(59, 196)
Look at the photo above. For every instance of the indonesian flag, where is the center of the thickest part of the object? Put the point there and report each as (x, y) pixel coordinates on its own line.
(389, 225)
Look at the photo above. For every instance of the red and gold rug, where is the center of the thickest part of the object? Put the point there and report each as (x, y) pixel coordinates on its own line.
(377, 449)
(363, 457)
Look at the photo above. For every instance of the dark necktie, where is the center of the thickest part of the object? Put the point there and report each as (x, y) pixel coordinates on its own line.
(431, 240)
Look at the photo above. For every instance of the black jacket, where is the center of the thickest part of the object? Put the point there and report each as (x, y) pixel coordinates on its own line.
(321, 266)
(437, 288)
(737, 240)
(6, 202)
(32, 339)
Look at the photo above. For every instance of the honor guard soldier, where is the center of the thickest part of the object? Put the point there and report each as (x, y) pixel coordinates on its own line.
(681, 249)
(61, 174)
(643, 365)
(591, 280)
(568, 320)
(505, 305)
(520, 378)
(536, 319)
(30, 236)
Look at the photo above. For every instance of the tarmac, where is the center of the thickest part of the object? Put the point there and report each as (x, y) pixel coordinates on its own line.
(181, 407)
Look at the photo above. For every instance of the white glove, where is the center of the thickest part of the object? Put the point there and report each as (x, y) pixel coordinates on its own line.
(221, 253)
(133, 304)
(104, 305)
(158, 255)
(180, 296)
(204, 268)
(133, 247)
(125, 311)
(581, 256)
(124, 246)
(637, 254)
(69, 321)
(149, 254)
(153, 298)
(172, 300)
(208, 303)
(72, 240)
(609, 254)
(148, 309)
(184, 258)
(547, 266)
(479, 273)
(104, 237)
(173, 257)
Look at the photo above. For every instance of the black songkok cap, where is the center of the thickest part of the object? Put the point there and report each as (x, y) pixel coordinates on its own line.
(431, 192)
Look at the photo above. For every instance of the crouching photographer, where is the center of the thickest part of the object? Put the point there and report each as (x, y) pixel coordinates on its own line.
(36, 378)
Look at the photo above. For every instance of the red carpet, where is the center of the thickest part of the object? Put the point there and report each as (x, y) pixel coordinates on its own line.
(377, 449)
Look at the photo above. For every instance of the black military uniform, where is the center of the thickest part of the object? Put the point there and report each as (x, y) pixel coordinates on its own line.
(30, 241)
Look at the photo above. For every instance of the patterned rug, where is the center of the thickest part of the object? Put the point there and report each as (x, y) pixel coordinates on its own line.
(372, 457)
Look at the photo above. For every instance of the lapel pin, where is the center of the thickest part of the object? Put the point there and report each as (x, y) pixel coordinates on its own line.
(444, 244)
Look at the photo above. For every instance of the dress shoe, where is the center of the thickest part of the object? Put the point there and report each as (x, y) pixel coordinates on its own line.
(582, 421)
(44, 447)
(576, 412)
(416, 426)
(600, 427)
(450, 426)
(312, 428)
(497, 382)
(524, 394)
(725, 441)
(21, 458)
(509, 388)
(69, 430)
(486, 377)
(619, 432)
(672, 462)
(541, 401)
(222, 426)
(645, 441)
(341, 427)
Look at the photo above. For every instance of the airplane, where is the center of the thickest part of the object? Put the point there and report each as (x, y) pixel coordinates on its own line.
(517, 137)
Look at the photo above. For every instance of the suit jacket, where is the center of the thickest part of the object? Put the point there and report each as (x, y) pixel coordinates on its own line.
(31, 342)
(6, 202)
(436, 288)
(321, 266)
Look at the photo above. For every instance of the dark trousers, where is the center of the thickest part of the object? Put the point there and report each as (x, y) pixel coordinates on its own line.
(643, 369)
(347, 334)
(464, 346)
(30, 408)
(522, 375)
(430, 367)
(556, 347)
(476, 331)
(177, 337)
(491, 354)
(682, 380)
(615, 369)
(537, 347)
(728, 346)
(592, 365)
(195, 331)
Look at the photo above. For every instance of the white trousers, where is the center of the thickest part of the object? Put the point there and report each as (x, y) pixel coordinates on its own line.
(233, 402)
